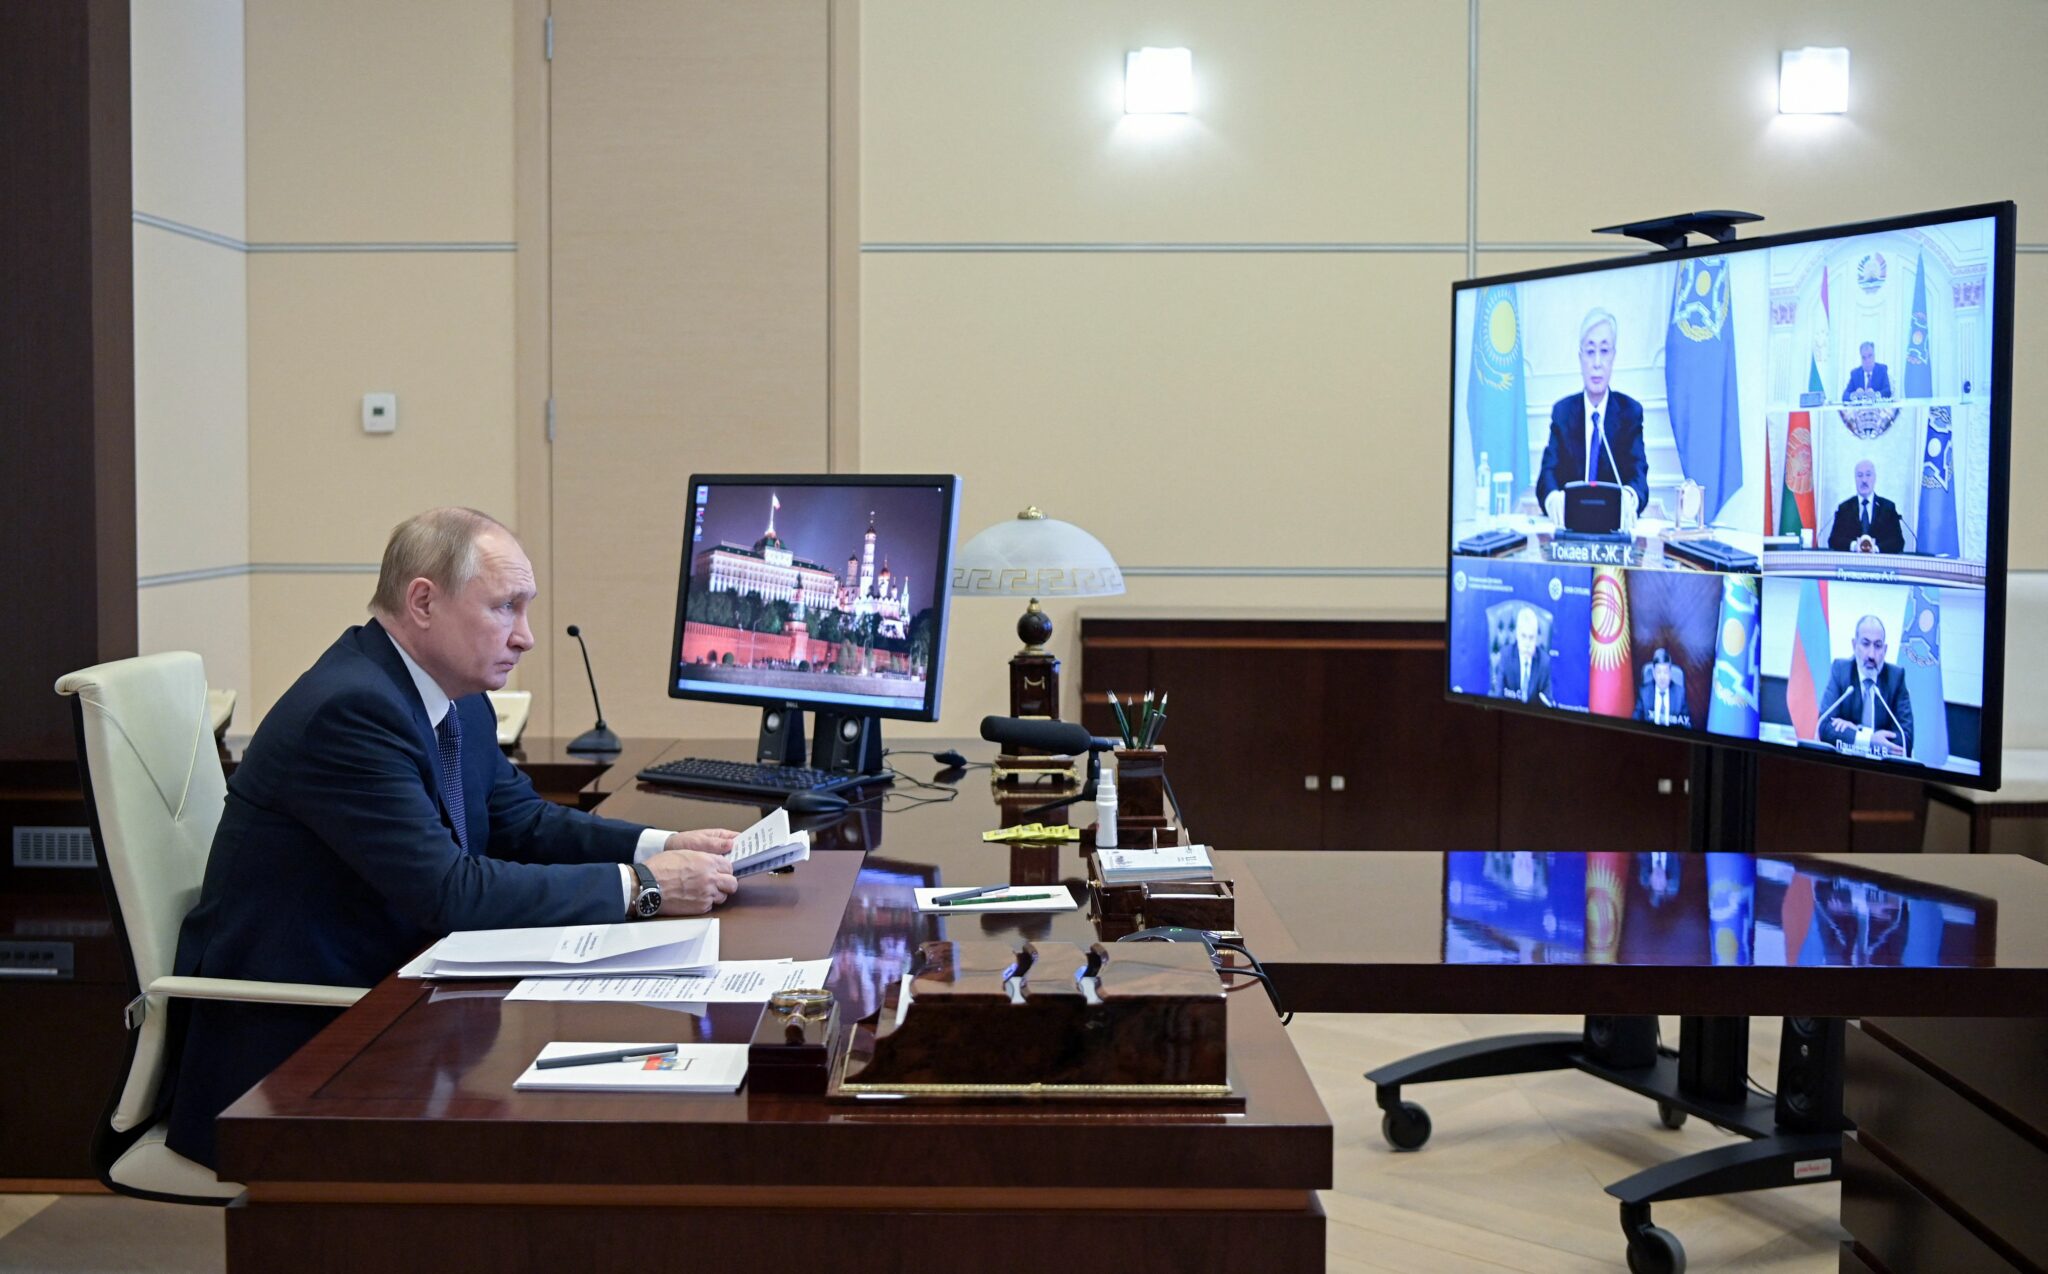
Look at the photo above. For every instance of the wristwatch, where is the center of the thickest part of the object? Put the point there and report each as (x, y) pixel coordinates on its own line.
(647, 899)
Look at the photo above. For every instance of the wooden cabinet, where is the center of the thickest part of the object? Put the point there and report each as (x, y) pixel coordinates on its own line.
(1335, 734)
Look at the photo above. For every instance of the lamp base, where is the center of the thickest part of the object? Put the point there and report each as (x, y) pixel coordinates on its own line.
(1035, 685)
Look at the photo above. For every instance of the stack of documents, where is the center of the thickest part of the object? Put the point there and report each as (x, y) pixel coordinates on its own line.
(692, 1068)
(572, 951)
(732, 982)
(1174, 862)
(769, 844)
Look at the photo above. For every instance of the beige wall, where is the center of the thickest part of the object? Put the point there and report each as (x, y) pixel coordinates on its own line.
(1255, 409)
(1221, 412)
(191, 335)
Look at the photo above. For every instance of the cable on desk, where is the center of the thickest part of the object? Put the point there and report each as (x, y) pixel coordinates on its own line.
(1257, 971)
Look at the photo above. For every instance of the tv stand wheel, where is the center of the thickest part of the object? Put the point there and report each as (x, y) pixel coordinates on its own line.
(1655, 1250)
(1406, 1126)
(1669, 1115)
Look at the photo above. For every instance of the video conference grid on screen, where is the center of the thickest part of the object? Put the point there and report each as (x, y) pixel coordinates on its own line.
(1799, 438)
(814, 593)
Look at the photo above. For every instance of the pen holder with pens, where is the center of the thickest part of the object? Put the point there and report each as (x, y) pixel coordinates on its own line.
(1141, 788)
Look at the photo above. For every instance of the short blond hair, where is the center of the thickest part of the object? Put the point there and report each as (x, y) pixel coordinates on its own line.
(439, 545)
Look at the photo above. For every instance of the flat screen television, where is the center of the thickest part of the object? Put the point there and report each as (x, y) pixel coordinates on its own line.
(1752, 494)
(816, 591)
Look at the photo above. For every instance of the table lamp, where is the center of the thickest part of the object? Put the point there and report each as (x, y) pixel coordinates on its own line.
(1034, 556)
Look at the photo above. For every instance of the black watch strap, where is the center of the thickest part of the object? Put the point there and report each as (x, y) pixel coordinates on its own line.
(647, 898)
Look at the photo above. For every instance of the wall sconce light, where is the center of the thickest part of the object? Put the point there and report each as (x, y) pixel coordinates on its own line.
(1159, 82)
(1813, 81)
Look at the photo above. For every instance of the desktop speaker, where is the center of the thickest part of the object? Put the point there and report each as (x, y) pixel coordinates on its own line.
(847, 744)
(782, 736)
(1810, 1074)
(1622, 1043)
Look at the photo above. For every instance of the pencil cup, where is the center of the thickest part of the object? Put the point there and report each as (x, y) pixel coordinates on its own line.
(1141, 787)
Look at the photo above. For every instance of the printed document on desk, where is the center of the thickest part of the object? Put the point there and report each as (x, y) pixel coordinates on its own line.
(693, 1068)
(1173, 862)
(571, 951)
(733, 982)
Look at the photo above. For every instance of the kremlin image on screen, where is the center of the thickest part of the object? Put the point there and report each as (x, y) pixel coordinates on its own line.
(826, 597)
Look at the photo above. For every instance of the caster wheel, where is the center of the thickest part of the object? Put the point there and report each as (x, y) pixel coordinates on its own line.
(1653, 1250)
(1406, 1127)
(1669, 1115)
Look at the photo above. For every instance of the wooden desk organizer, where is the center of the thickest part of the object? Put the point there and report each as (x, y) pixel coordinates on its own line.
(1141, 788)
(792, 1052)
(1191, 904)
(984, 1019)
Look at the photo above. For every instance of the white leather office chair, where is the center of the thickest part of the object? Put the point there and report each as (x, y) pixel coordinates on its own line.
(154, 789)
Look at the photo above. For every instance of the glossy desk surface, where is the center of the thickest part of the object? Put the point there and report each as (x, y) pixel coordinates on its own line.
(414, 1084)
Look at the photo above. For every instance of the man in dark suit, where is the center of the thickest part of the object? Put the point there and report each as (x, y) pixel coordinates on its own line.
(1594, 431)
(1867, 513)
(1661, 701)
(1870, 374)
(1870, 708)
(374, 813)
(1522, 668)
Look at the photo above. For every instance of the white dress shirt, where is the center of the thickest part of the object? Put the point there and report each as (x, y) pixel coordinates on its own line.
(436, 701)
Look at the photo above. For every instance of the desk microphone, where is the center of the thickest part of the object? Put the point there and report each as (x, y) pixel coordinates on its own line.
(1066, 738)
(599, 737)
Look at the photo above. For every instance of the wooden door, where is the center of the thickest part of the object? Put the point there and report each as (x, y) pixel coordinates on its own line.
(1569, 786)
(689, 191)
(1405, 768)
(1249, 725)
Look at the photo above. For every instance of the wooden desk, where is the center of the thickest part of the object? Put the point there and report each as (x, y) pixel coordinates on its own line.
(1367, 933)
(396, 1133)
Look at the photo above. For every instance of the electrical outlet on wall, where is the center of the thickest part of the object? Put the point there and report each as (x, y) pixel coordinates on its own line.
(380, 413)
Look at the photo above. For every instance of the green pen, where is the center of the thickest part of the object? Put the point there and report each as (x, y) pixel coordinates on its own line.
(1123, 723)
(975, 902)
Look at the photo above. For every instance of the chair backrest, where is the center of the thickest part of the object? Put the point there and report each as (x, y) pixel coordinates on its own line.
(149, 763)
(2026, 649)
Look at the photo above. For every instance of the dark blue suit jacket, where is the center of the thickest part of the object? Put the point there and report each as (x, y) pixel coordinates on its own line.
(1880, 380)
(335, 863)
(1564, 456)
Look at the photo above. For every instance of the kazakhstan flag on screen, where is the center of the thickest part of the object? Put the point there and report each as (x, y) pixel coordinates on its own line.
(1497, 399)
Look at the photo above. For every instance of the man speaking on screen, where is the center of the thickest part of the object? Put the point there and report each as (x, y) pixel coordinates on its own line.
(1596, 435)
(1868, 705)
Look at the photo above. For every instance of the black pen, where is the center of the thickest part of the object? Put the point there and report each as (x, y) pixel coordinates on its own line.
(616, 1055)
(957, 895)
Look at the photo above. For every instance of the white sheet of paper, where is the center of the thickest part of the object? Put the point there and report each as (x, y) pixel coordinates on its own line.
(1062, 900)
(695, 1068)
(651, 946)
(735, 982)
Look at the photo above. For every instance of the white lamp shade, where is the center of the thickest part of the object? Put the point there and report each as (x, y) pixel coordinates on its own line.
(1035, 556)
(1159, 82)
(1813, 81)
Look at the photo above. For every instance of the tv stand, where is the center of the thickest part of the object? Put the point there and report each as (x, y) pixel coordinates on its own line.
(1794, 1138)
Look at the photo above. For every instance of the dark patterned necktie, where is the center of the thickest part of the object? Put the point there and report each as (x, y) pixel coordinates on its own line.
(1592, 456)
(449, 735)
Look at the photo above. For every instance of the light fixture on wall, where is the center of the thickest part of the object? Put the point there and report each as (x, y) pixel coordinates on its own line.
(1034, 556)
(1813, 81)
(1159, 82)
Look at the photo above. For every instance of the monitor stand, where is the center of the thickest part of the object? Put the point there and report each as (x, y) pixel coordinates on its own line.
(1792, 1138)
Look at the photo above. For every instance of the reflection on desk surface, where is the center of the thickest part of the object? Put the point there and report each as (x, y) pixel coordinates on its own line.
(1704, 909)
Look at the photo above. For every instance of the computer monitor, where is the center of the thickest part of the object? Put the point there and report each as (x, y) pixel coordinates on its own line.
(1806, 436)
(824, 592)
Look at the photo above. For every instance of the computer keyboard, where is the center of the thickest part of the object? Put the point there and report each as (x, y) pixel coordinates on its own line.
(748, 777)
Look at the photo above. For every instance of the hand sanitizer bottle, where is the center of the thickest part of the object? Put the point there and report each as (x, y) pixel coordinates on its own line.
(1105, 809)
(1482, 498)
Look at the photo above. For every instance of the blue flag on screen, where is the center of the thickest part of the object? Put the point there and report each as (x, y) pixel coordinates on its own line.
(1733, 710)
(1919, 372)
(1920, 660)
(1937, 532)
(1497, 400)
(1699, 381)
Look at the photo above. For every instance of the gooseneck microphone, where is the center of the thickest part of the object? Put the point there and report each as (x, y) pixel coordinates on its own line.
(598, 738)
(1063, 737)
